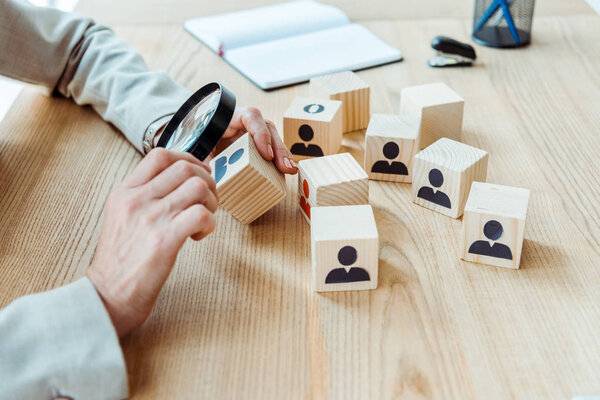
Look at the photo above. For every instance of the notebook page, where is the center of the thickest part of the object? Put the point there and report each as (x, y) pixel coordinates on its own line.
(299, 58)
(229, 31)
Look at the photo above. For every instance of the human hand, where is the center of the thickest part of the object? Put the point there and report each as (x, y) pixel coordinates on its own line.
(169, 197)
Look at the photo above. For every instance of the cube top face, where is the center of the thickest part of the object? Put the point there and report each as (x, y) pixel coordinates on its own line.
(343, 222)
(452, 155)
(499, 200)
(345, 248)
(431, 94)
(334, 180)
(313, 109)
(394, 126)
(231, 161)
(331, 170)
(339, 83)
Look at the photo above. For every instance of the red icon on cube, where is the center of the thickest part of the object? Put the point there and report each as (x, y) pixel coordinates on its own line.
(304, 199)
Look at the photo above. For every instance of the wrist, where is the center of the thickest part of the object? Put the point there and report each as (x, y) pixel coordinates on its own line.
(153, 133)
(117, 312)
(157, 136)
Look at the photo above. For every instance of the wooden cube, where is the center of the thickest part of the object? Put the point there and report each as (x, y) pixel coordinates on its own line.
(443, 173)
(334, 180)
(494, 225)
(352, 91)
(440, 110)
(247, 184)
(313, 127)
(345, 248)
(391, 143)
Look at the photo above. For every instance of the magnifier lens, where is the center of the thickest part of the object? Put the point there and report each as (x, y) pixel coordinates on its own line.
(200, 123)
(194, 123)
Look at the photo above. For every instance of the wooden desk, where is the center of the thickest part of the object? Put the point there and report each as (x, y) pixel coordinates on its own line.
(238, 318)
(143, 12)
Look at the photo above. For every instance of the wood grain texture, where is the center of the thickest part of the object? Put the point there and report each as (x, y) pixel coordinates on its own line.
(344, 238)
(323, 116)
(143, 12)
(238, 317)
(439, 108)
(352, 91)
(401, 130)
(503, 204)
(334, 180)
(445, 170)
(247, 185)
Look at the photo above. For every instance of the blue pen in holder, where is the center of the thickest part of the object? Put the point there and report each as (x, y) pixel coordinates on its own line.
(503, 23)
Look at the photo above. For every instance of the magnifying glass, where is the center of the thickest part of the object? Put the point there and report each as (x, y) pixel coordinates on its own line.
(200, 122)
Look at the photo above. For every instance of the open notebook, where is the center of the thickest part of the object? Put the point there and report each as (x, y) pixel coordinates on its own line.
(288, 43)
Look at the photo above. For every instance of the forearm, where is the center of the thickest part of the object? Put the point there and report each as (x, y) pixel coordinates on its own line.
(60, 343)
(74, 56)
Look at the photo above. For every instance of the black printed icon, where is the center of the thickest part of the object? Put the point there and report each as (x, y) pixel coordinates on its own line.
(314, 108)
(302, 149)
(493, 231)
(390, 151)
(436, 178)
(347, 256)
(222, 162)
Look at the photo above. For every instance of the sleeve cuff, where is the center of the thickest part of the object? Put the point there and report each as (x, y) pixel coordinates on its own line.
(162, 98)
(61, 343)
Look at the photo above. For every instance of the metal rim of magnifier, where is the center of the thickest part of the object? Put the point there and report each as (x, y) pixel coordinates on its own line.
(215, 129)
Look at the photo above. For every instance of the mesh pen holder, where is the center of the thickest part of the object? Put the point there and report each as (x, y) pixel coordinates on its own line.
(503, 23)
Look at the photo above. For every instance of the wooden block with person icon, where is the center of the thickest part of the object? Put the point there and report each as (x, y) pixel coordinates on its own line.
(313, 127)
(345, 248)
(247, 184)
(331, 181)
(443, 173)
(494, 225)
(391, 143)
(439, 108)
(352, 91)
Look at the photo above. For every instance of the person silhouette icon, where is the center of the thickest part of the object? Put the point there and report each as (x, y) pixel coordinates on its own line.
(306, 133)
(222, 162)
(347, 256)
(390, 151)
(436, 178)
(304, 199)
(493, 231)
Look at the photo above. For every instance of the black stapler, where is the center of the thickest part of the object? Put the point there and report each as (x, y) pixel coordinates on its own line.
(451, 53)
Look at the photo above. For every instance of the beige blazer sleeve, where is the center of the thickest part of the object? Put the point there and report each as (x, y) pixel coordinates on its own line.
(60, 343)
(78, 58)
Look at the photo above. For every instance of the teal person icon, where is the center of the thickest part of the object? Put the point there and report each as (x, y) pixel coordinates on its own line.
(222, 162)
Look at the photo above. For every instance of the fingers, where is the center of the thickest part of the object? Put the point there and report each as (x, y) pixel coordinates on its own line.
(193, 191)
(265, 135)
(255, 124)
(283, 157)
(196, 221)
(175, 175)
(156, 161)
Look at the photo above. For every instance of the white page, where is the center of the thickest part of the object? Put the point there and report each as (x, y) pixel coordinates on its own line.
(229, 31)
(299, 58)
